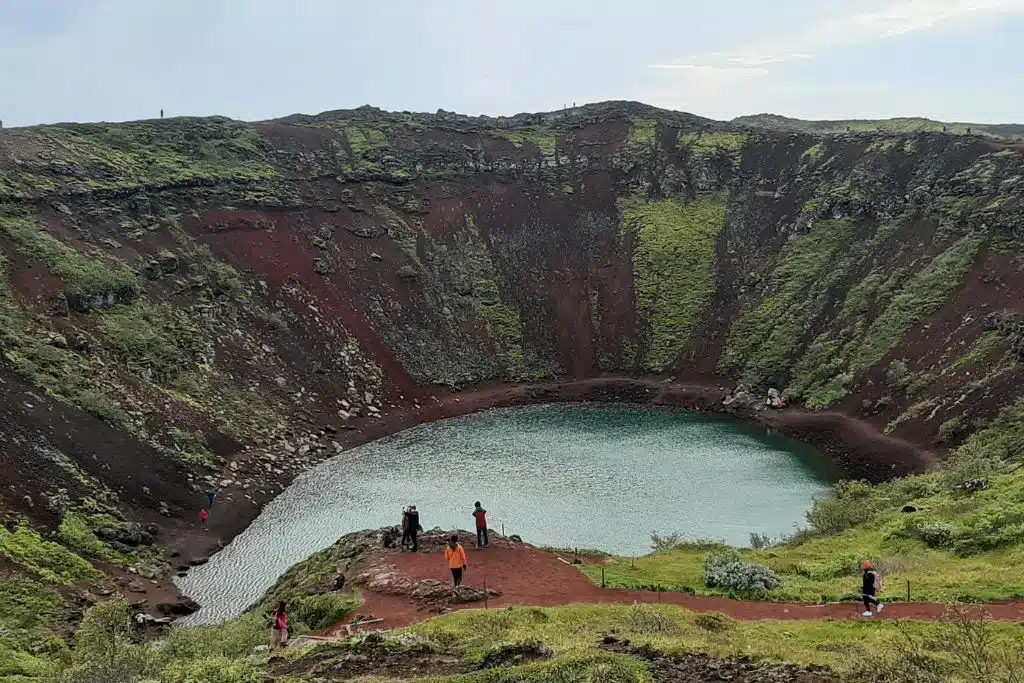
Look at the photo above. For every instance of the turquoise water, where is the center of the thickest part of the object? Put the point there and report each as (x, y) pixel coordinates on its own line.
(586, 476)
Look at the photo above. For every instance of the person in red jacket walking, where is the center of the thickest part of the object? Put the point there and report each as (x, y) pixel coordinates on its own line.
(203, 516)
(482, 541)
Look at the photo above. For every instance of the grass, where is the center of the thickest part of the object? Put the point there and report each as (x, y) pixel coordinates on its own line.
(570, 631)
(87, 276)
(29, 610)
(674, 267)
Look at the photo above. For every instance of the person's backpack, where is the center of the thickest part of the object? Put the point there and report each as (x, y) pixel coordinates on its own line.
(878, 581)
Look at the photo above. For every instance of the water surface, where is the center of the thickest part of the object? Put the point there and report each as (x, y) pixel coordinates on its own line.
(586, 476)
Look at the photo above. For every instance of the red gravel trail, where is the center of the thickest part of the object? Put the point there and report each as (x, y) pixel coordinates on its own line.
(526, 576)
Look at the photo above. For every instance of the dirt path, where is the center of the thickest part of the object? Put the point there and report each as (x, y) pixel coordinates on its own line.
(526, 576)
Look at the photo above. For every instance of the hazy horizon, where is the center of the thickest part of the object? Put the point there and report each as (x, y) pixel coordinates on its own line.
(118, 60)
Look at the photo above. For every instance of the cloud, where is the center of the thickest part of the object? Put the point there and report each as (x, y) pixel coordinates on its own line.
(895, 20)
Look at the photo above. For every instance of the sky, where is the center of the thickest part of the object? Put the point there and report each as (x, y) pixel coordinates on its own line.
(115, 60)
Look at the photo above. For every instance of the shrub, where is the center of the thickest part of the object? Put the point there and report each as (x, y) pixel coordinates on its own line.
(646, 619)
(676, 541)
(728, 570)
(321, 611)
(713, 622)
(935, 534)
(835, 515)
(760, 541)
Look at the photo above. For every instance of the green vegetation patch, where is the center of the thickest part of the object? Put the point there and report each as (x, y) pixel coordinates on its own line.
(83, 157)
(674, 268)
(11, 316)
(923, 294)
(712, 144)
(51, 561)
(544, 139)
(85, 276)
(155, 340)
(980, 350)
(766, 337)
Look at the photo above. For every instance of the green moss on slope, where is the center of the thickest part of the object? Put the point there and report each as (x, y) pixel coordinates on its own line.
(10, 313)
(921, 296)
(712, 144)
(674, 268)
(155, 340)
(51, 561)
(86, 276)
(767, 336)
(85, 157)
(822, 374)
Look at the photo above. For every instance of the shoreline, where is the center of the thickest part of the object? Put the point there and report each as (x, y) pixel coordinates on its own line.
(855, 447)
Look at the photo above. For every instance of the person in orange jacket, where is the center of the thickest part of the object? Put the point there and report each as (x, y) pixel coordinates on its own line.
(455, 554)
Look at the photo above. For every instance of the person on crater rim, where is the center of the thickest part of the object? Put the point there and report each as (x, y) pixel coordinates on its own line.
(455, 555)
(871, 584)
(480, 515)
(406, 535)
(414, 527)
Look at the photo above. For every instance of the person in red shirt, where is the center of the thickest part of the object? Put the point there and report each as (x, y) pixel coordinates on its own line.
(279, 626)
(482, 540)
(203, 516)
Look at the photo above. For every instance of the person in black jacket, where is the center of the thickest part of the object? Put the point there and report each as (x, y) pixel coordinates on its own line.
(871, 583)
(414, 527)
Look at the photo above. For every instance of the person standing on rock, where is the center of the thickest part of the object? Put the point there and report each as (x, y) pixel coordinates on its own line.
(870, 586)
(406, 534)
(414, 527)
(203, 516)
(480, 515)
(455, 555)
(279, 626)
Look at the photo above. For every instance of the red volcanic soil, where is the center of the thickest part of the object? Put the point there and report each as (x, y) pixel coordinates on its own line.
(525, 576)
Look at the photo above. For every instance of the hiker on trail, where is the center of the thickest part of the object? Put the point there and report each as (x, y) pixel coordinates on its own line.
(482, 541)
(211, 496)
(455, 554)
(203, 516)
(414, 527)
(872, 584)
(279, 626)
